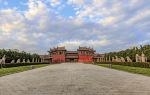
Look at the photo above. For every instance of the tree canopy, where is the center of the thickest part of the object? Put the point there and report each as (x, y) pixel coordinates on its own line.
(131, 52)
(14, 55)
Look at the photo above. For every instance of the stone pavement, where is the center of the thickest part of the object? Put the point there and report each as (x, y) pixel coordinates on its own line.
(74, 79)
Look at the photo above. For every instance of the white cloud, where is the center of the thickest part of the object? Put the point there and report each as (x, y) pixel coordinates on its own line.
(108, 21)
(142, 14)
(11, 20)
(76, 43)
(104, 25)
(76, 2)
(99, 2)
(23, 30)
(55, 3)
(36, 9)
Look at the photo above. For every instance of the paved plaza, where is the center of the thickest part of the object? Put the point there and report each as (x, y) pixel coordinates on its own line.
(74, 79)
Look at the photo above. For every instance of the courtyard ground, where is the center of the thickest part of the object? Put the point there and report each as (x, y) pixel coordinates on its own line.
(74, 79)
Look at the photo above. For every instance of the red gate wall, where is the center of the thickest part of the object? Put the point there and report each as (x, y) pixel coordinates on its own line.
(83, 58)
(58, 58)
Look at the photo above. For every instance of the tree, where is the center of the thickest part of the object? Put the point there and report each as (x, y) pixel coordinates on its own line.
(14, 55)
(132, 52)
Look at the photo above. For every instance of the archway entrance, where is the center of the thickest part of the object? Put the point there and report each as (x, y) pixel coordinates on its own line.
(71, 60)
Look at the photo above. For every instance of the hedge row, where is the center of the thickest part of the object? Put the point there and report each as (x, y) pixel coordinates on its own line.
(133, 64)
(8, 65)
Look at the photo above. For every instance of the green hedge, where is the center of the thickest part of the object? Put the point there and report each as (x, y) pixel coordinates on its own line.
(133, 64)
(8, 65)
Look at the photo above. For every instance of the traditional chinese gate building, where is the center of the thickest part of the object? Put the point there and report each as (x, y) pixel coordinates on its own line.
(72, 56)
(60, 54)
(85, 54)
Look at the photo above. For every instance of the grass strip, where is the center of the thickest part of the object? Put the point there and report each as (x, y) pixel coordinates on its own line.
(7, 71)
(136, 70)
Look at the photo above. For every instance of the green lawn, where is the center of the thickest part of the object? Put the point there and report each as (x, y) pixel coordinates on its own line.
(137, 70)
(7, 71)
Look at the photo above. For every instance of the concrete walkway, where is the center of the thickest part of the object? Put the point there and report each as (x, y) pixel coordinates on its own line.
(74, 79)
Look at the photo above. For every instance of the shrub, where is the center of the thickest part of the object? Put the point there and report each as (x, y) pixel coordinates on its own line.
(8, 65)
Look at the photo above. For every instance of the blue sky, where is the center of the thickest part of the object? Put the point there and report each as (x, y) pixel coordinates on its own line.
(106, 25)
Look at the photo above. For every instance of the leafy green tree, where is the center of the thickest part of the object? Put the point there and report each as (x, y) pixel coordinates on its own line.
(132, 52)
(14, 55)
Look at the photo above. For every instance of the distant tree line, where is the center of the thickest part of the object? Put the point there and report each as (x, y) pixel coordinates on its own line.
(15, 55)
(131, 52)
